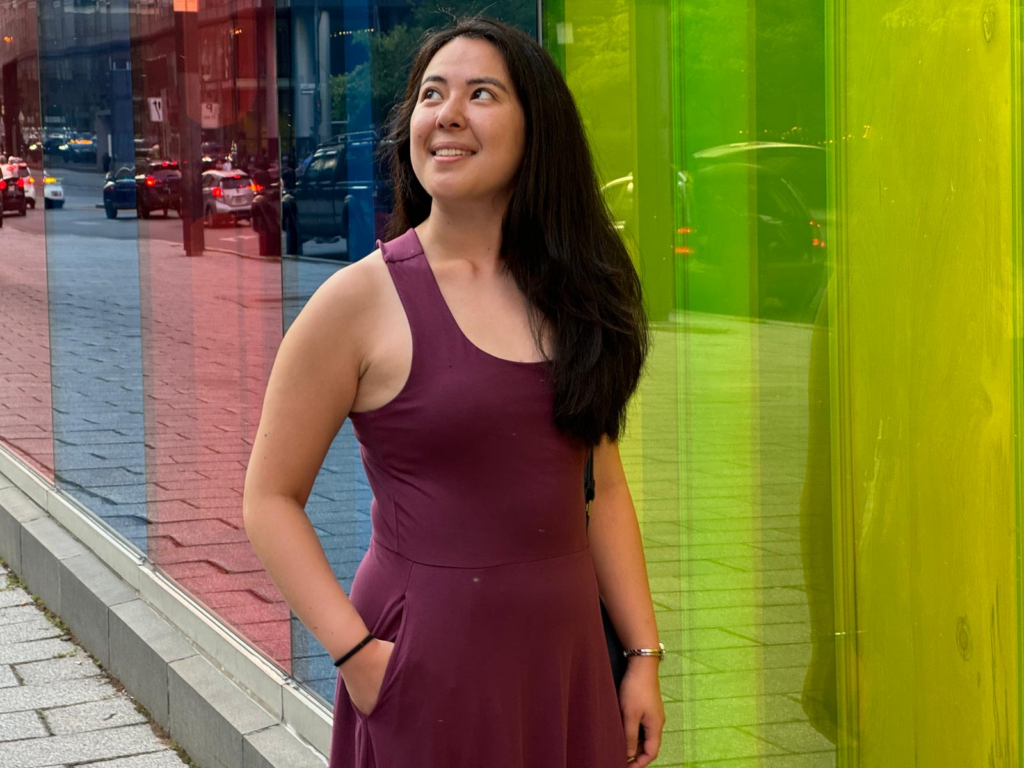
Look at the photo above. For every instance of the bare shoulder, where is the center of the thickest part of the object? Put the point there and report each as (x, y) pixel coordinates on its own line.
(351, 289)
(349, 294)
(340, 316)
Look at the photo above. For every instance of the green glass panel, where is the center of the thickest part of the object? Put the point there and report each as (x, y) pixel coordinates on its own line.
(826, 471)
(928, 317)
(708, 123)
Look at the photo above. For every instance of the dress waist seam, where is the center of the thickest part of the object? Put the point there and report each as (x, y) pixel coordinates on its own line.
(377, 543)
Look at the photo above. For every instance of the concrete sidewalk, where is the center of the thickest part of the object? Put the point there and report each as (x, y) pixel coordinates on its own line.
(57, 706)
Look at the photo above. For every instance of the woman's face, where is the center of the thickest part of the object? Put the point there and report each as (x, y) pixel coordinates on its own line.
(467, 130)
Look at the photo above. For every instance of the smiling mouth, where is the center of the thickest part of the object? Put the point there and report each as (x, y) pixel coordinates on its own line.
(452, 153)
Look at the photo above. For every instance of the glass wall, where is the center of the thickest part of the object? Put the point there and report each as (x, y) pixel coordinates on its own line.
(26, 408)
(822, 200)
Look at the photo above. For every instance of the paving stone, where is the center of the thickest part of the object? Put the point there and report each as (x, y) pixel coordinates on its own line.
(115, 711)
(7, 678)
(36, 628)
(11, 597)
(35, 651)
(58, 694)
(15, 614)
(56, 670)
(21, 725)
(79, 747)
(164, 759)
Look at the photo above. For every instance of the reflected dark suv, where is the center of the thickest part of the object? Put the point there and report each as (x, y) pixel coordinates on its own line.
(158, 187)
(334, 191)
(155, 185)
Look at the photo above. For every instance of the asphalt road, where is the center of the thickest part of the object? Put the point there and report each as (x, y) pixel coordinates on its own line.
(83, 216)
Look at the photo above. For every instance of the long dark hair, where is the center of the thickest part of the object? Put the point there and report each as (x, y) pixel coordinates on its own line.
(557, 239)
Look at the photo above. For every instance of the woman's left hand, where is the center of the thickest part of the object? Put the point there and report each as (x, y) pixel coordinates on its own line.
(640, 703)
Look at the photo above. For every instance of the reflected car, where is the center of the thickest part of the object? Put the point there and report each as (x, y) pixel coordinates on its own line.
(12, 190)
(335, 187)
(119, 191)
(17, 167)
(722, 235)
(227, 195)
(80, 148)
(53, 191)
(158, 187)
(266, 213)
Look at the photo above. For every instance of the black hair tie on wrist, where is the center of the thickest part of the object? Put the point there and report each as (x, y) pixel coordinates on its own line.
(346, 657)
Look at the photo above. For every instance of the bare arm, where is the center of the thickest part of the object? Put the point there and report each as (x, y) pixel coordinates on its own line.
(310, 393)
(618, 555)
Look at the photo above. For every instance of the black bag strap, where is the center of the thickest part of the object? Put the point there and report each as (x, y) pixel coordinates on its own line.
(589, 486)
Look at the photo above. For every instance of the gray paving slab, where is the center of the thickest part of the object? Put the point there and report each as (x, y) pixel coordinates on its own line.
(23, 631)
(21, 725)
(114, 711)
(7, 678)
(32, 697)
(25, 610)
(36, 651)
(57, 670)
(163, 759)
(57, 707)
(78, 747)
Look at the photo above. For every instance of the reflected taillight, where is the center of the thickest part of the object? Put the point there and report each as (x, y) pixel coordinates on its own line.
(216, 192)
(256, 187)
(151, 181)
(21, 183)
(3, 184)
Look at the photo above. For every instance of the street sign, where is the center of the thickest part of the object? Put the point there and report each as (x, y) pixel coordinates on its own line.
(210, 114)
(156, 109)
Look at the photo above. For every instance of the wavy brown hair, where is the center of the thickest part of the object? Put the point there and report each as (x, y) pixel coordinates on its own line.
(558, 240)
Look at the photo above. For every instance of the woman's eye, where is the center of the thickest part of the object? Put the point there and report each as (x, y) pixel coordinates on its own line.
(428, 91)
(485, 92)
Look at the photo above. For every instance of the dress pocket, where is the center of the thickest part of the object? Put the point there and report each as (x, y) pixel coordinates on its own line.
(393, 666)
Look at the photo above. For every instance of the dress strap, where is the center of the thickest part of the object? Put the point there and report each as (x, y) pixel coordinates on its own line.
(436, 339)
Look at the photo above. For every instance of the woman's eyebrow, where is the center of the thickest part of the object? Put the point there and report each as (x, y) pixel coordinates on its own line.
(472, 81)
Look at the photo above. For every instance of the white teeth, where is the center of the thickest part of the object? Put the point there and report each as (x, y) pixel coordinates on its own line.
(451, 152)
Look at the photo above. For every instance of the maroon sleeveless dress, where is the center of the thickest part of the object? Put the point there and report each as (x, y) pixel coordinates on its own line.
(478, 567)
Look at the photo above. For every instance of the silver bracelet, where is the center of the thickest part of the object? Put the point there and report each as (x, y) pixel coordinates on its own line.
(659, 652)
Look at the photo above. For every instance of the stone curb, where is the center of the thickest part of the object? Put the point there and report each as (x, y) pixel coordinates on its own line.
(204, 710)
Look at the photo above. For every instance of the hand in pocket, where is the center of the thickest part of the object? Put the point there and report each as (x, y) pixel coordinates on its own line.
(363, 674)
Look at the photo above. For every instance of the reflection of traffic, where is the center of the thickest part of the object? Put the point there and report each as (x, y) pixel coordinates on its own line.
(154, 186)
(227, 197)
(760, 254)
(339, 189)
(18, 187)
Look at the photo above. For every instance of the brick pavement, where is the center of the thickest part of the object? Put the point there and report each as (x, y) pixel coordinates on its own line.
(57, 706)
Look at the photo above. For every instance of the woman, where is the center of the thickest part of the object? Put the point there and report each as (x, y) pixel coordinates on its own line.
(480, 353)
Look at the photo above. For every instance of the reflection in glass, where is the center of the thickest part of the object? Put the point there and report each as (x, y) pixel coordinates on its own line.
(26, 415)
(723, 200)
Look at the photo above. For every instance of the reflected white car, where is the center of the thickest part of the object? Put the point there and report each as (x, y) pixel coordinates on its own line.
(19, 170)
(53, 192)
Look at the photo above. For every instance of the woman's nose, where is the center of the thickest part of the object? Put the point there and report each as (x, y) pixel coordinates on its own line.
(451, 115)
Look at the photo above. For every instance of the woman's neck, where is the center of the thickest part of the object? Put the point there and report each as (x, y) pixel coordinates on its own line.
(459, 233)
